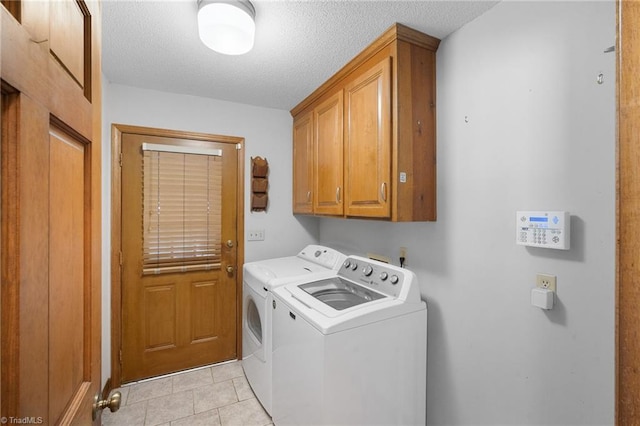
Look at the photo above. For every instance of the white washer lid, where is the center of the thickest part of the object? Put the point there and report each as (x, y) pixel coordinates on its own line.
(283, 270)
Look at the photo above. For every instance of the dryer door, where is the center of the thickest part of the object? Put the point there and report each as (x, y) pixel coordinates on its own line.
(253, 326)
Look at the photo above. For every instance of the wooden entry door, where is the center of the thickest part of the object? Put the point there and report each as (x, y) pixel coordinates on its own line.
(178, 313)
(51, 126)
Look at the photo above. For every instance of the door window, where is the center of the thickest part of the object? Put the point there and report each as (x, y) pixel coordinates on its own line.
(182, 198)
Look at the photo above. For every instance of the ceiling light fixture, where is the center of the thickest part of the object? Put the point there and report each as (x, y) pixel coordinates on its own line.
(227, 26)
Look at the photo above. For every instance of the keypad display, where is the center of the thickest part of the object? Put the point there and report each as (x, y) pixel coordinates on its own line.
(548, 229)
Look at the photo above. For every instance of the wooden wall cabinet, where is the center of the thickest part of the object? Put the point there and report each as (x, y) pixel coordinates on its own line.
(368, 143)
(317, 159)
(328, 150)
(303, 164)
(373, 134)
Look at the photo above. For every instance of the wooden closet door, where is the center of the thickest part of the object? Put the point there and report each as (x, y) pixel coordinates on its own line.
(368, 143)
(51, 225)
(628, 206)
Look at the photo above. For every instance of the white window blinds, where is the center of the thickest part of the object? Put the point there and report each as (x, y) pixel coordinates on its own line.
(182, 199)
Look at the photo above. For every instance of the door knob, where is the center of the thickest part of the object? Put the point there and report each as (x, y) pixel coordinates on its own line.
(230, 243)
(113, 402)
(230, 269)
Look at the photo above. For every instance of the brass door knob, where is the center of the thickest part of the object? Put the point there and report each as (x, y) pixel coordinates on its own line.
(100, 404)
(230, 269)
(230, 243)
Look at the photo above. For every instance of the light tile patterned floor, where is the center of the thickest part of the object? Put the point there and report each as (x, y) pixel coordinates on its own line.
(218, 395)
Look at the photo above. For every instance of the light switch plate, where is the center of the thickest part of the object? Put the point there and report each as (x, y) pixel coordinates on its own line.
(255, 235)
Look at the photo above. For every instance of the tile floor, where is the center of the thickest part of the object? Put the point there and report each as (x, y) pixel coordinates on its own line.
(217, 395)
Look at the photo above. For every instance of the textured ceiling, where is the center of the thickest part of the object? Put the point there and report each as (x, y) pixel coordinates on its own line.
(299, 44)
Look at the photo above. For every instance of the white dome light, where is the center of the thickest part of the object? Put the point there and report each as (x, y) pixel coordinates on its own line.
(227, 26)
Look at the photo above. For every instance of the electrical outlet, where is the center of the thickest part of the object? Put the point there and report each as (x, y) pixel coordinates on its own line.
(546, 281)
(403, 257)
(255, 235)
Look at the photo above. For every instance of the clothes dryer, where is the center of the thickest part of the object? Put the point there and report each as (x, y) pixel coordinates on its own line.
(259, 278)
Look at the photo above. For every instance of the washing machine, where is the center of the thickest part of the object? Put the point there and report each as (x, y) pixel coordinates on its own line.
(350, 349)
(259, 278)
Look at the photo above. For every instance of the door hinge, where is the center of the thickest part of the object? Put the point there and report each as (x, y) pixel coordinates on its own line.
(120, 356)
(238, 146)
(120, 258)
(120, 159)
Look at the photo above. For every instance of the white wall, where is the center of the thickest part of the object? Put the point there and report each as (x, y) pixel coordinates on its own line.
(540, 136)
(267, 133)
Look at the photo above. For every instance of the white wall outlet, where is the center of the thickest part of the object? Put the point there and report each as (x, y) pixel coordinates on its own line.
(546, 281)
(403, 257)
(255, 235)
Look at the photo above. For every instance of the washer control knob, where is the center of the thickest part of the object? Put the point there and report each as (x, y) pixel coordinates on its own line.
(317, 253)
(368, 270)
(354, 266)
(346, 264)
(384, 276)
(394, 279)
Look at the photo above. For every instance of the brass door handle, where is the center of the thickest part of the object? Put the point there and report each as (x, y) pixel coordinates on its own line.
(230, 269)
(100, 404)
(230, 243)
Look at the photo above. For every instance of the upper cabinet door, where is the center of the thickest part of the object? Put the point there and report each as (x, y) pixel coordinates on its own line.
(368, 143)
(303, 164)
(328, 171)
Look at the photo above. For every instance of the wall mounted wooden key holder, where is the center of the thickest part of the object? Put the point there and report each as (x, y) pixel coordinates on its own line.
(259, 184)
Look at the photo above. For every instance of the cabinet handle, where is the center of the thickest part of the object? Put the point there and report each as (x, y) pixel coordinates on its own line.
(338, 195)
(383, 191)
(308, 196)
